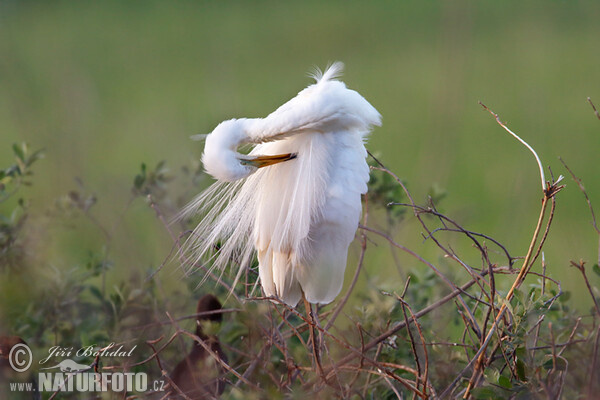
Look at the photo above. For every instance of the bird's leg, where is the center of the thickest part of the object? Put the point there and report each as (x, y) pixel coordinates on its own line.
(319, 329)
(311, 326)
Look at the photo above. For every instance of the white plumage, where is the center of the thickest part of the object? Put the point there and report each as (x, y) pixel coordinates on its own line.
(301, 211)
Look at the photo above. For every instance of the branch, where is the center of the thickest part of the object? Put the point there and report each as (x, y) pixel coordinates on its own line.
(523, 142)
(594, 107)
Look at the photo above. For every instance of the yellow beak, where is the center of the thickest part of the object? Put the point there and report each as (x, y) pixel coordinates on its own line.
(265, 161)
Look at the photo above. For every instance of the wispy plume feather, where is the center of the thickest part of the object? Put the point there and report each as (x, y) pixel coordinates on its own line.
(333, 71)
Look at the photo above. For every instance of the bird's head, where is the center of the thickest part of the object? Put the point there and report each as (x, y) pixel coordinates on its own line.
(221, 159)
(206, 304)
(208, 318)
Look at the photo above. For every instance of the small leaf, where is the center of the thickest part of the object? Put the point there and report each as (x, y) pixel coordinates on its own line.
(565, 296)
(596, 269)
(160, 167)
(96, 292)
(140, 179)
(483, 393)
(522, 371)
(561, 364)
(19, 152)
(39, 154)
(12, 171)
(504, 382)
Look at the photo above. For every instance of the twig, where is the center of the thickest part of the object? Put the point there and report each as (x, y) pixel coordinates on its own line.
(549, 191)
(315, 346)
(537, 159)
(423, 375)
(433, 268)
(591, 381)
(214, 355)
(587, 199)
(402, 324)
(480, 356)
(594, 107)
(581, 267)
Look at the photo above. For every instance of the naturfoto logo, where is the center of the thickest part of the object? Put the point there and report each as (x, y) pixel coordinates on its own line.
(71, 376)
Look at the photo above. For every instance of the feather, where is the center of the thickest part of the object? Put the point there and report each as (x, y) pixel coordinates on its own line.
(300, 215)
(333, 71)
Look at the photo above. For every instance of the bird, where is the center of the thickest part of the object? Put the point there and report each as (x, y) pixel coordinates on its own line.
(199, 375)
(294, 198)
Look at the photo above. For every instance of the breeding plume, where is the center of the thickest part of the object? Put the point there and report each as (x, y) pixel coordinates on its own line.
(295, 198)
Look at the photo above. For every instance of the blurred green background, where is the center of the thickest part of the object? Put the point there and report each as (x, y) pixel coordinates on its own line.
(105, 86)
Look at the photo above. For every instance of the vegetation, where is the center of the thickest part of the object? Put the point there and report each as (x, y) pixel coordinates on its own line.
(438, 336)
(451, 288)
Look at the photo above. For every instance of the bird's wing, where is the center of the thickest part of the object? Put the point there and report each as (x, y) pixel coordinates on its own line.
(323, 107)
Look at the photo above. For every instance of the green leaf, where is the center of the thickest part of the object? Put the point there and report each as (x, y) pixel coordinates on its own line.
(520, 351)
(96, 292)
(34, 157)
(483, 393)
(561, 364)
(140, 178)
(160, 167)
(504, 382)
(596, 269)
(19, 151)
(12, 171)
(565, 296)
(522, 371)
(138, 182)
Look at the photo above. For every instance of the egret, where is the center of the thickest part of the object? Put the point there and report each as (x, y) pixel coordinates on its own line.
(295, 198)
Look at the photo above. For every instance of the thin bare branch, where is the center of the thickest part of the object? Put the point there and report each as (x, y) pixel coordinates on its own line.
(537, 159)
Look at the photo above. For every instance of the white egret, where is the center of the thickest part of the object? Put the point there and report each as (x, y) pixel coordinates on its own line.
(301, 211)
